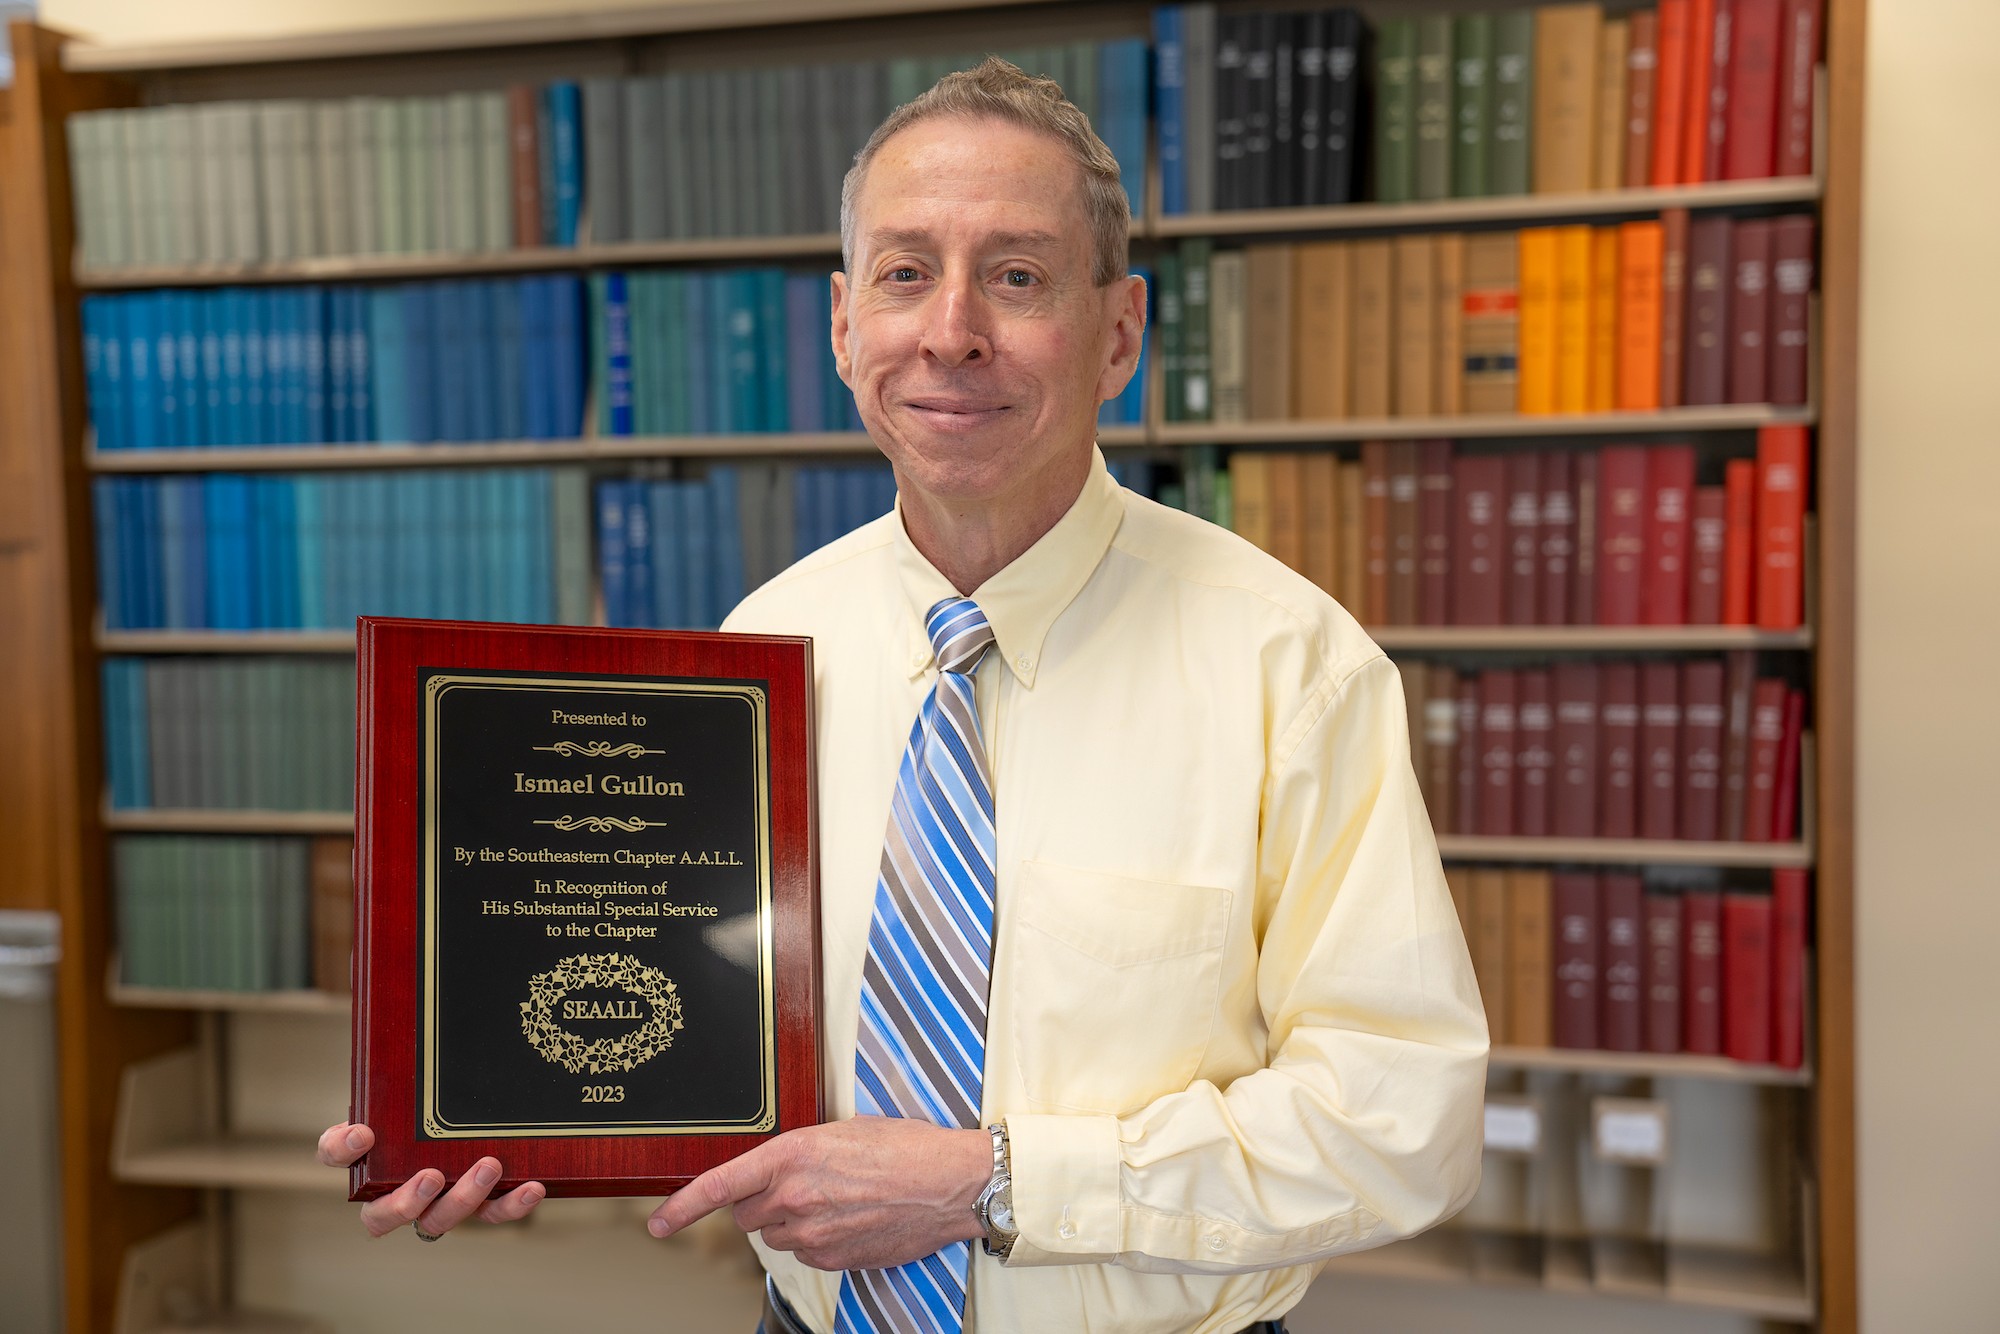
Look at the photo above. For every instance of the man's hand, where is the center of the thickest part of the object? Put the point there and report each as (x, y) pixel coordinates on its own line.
(870, 1193)
(416, 1200)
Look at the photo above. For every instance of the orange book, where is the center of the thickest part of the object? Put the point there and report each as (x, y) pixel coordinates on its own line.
(1739, 508)
(1604, 274)
(1694, 112)
(1670, 91)
(1782, 453)
(1640, 247)
(1573, 275)
(1537, 358)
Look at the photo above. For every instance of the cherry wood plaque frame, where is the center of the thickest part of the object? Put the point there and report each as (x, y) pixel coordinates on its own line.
(393, 657)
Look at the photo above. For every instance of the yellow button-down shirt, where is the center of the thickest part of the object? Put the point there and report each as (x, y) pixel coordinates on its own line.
(1233, 1028)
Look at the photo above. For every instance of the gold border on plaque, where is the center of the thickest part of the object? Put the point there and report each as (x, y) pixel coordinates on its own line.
(766, 1117)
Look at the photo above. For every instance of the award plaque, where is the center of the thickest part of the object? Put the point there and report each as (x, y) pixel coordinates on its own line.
(586, 901)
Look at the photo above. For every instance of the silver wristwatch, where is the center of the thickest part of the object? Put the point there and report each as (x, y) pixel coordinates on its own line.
(995, 1206)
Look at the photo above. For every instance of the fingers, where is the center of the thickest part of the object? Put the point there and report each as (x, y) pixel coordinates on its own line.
(451, 1209)
(341, 1145)
(405, 1204)
(737, 1179)
(514, 1205)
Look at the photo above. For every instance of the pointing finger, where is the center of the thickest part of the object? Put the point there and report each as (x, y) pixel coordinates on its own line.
(737, 1179)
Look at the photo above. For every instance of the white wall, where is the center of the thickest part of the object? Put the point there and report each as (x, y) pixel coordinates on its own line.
(123, 21)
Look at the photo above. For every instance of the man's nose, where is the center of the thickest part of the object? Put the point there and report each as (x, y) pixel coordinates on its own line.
(954, 326)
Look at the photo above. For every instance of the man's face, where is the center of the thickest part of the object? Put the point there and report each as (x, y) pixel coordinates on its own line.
(975, 341)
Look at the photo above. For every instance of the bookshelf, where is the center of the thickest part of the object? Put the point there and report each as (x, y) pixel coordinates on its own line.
(129, 1179)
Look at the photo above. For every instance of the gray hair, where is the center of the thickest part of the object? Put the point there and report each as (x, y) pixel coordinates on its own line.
(998, 90)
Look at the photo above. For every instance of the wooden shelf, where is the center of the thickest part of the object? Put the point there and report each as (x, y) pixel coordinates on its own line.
(1722, 417)
(1585, 638)
(225, 641)
(234, 1162)
(185, 821)
(1650, 1065)
(259, 1002)
(1656, 852)
(1498, 208)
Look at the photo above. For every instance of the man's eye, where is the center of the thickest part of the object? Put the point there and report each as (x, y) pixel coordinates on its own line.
(906, 274)
(1019, 278)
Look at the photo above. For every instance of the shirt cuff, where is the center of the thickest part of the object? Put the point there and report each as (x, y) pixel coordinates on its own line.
(1066, 1173)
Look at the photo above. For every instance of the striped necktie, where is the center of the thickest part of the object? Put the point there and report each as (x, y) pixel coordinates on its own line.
(922, 1042)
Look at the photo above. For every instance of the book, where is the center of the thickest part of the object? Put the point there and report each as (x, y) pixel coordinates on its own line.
(1374, 328)
(1565, 90)
(1471, 103)
(1621, 534)
(1529, 974)
(1497, 748)
(1415, 674)
(1540, 277)
(1723, 50)
(1750, 311)
(1490, 327)
(1798, 52)
(1228, 335)
(1750, 139)
(1404, 520)
(1434, 532)
(1319, 511)
(1323, 311)
(1618, 745)
(1584, 561)
(1555, 536)
(1783, 458)
(1478, 539)
(1791, 280)
(1707, 322)
(1447, 370)
(1767, 740)
(332, 913)
(1708, 543)
(1746, 968)
(1431, 109)
(1578, 927)
(1250, 481)
(1574, 281)
(1659, 749)
(1661, 969)
(1466, 771)
(1705, 19)
(1642, 71)
(1534, 753)
(1395, 110)
(1170, 90)
(1268, 300)
(1345, 103)
(1785, 798)
(1789, 910)
(1440, 746)
(1573, 801)
(1523, 539)
(1514, 54)
(1621, 965)
(1608, 130)
(1673, 305)
(1490, 948)
(1701, 972)
(1663, 590)
(1703, 718)
(1353, 537)
(1413, 376)
(1606, 295)
(1739, 688)
(1739, 541)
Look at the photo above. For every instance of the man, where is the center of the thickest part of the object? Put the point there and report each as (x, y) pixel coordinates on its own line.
(1157, 950)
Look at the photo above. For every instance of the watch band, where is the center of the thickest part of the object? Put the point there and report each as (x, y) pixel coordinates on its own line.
(999, 1240)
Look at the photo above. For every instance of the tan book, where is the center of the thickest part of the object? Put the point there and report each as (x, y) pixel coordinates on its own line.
(1489, 948)
(1607, 167)
(1448, 333)
(1374, 327)
(1566, 41)
(1416, 689)
(1285, 506)
(1351, 576)
(1458, 879)
(332, 913)
(1250, 497)
(1268, 372)
(1440, 745)
(1491, 328)
(1416, 318)
(1322, 331)
(1529, 991)
(1227, 321)
(1319, 509)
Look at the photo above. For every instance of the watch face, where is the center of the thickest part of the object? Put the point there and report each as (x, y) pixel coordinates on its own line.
(1001, 1211)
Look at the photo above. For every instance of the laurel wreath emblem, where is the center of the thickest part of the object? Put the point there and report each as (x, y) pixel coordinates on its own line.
(598, 749)
(615, 971)
(600, 824)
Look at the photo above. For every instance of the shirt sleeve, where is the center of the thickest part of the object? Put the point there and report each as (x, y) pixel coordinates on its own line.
(1365, 1124)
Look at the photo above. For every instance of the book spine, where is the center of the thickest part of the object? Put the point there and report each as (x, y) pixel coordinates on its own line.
(1170, 92)
(1662, 968)
(1434, 573)
(1767, 738)
(1447, 368)
(1530, 976)
(1782, 462)
(1404, 521)
(1608, 131)
(1229, 113)
(1440, 746)
(1375, 503)
(1524, 507)
(1746, 967)
(1621, 964)
(1490, 949)
(1701, 972)
(1556, 536)
(1259, 107)
(1798, 52)
(1789, 908)
(1702, 728)
(1228, 333)
(1573, 306)
(1496, 753)
(1791, 290)
(1395, 110)
(1478, 551)
(1431, 118)
(1659, 748)
(1346, 98)
(1514, 78)
(1721, 82)
(1739, 689)
(1539, 317)
(1267, 372)
(1642, 70)
(1621, 534)
(1574, 800)
(1709, 283)
(1534, 754)
(1669, 503)
(565, 133)
(1466, 773)
(1750, 312)
(604, 158)
(1751, 139)
(1673, 306)
(1472, 103)
(1414, 320)
(1785, 799)
(1739, 540)
(1322, 349)
(1618, 743)
(1702, 15)
(1574, 906)
(1607, 286)
(1320, 518)
(524, 159)
(1565, 89)
(1640, 255)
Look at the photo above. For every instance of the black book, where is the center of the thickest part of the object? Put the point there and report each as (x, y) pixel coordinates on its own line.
(1309, 91)
(1228, 111)
(1346, 130)
(1284, 112)
(1260, 105)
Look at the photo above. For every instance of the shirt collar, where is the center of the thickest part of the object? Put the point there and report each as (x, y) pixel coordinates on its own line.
(1023, 600)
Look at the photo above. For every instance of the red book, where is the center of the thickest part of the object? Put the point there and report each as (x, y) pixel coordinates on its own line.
(1709, 538)
(1642, 66)
(1573, 904)
(1405, 501)
(1739, 541)
(1721, 78)
(1753, 90)
(1434, 521)
(1701, 972)
(1700, 69)
(1740, 686)
(1534, 754)
(1375, 532)
(1662, 966)
(1621, 533)
(1465, 796)
(1702, 718)
(1791, 288)
(1706, 375)
(1575, 799)
(1670, 92)
(1750, 312)
(1781, 523)
(1557, 531)
(1746, 977)
(1798, 52)
(1477, 559)
(1496, 753)
(1785, 798)
(1583, 580)
(1621, 964)
(1673, 306)
(523, 141)
(1524, 524)
(1618, 745)
(1659, 748)
(1767, 739)
(1669, 502)
(1788, 967)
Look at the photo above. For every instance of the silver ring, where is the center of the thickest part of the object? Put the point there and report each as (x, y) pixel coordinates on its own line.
(418, 1228)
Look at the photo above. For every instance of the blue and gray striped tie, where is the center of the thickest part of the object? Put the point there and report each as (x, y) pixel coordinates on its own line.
(922, 1042)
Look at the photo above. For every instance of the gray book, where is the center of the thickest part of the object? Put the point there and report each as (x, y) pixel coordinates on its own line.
(291, 968)
(162, 734)
(246, 239)
(780, 538)
(604, 160)
(700, 141)
(825, 121)
(770, 153)
(114, 191)
(423, 172)
(177, 141)
(569, 517)
(140, 204)
(800, 184)
(86, 193)
(392, 125)
(334, 170)
(359, 201)
(675, 161)
(444, 181)
(726, 165)
(753, 517)
(496, 177)
(462, 231)
(275, 150)
(343, 731)
(211, 161)
(645, 152)
(1198, 101)
(162, 218)
(304, 166)
(215, 770)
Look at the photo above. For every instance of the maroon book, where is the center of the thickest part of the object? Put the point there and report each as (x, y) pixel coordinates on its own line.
(1583, 580)
(1788, 967)
(1767, 739)
(1740, 684)
(1785, 799)
(1662, 966)
(1573, 904)
(1621, 964)
(1618, 749)
(1791, 290)
(1669, 504)
(1524, 523)
(1496, 753)
(596, 1037)
(1558, 536)
(1798, 52)
(1477, 557)
(1721, 50)
(1534, 753)
(1750, 312)
(1465, 798)
(1707, 373)
(1434, 524)
(1575, 798)
(1702, 718)
(1746, 977)
(1673, 305)
(1708, 539)
(1659, 748)
(1751, 142)
(1701, 972)
(1621, 533)
(1403, 535)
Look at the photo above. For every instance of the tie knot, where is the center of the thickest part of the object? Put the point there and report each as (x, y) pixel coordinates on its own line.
(959, 634)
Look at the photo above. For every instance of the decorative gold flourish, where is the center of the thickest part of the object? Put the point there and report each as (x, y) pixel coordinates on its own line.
(617, 972)
(600, 824)
(598, 749)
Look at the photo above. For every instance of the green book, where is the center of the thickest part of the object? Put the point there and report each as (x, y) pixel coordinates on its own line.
(1472, 103)
(1513, 103)
(678, 420)
(645, 116)
(1167, 316)
(598, 354)
(392, 218)
(462, 154)
(1433, 117)
(675, 158)
(1395, 111)
(644, 350)
(292, 928)
(422, 172)
(604, 180)
(569, 512)
(698, 113)
(1197, 400)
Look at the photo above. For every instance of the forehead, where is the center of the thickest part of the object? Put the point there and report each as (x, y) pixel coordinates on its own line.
(954, 173)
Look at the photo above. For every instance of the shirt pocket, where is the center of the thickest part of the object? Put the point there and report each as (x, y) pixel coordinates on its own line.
(1114, 986)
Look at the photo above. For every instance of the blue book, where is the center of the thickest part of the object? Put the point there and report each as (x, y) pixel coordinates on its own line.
(193, 432)
(1121, 80)
(1170, 112)
(226, 520)
(511, 367)
(545, 161)
(104, 501)
(566, 129)
(361, 367)
(617, 355)
(387, 368)
(309, 305)
(172, 554)
(773, 393)
(805, 513)
(697, 555)
(568, 343)
(827, 500)
(857, 499)
(230, 307)
(119, 413)
(339, 379)
(280, 311)
(454, 374)
(482, 349)
(214, 405)
(699, 340)
(194, 550)
(264, 613)
(285, 550)
(310, 529)
(611, 551)
(450, 507)
(541, 577)
(492, 536)
(100, 326)
(166, 370)
(420, 355)
(675, 418)
(337, 548)
(725, 526)
(133, 558)
(263, 368)
(804, 332)
(419, 513)
(669, 572)
(638, 555)
(149, 579)
(520, 536)
(127, 748)
(745, 374)
(539, 353)
(141, 388)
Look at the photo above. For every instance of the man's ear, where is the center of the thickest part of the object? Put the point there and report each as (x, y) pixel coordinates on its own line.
(839, 331)
(1124, 335)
